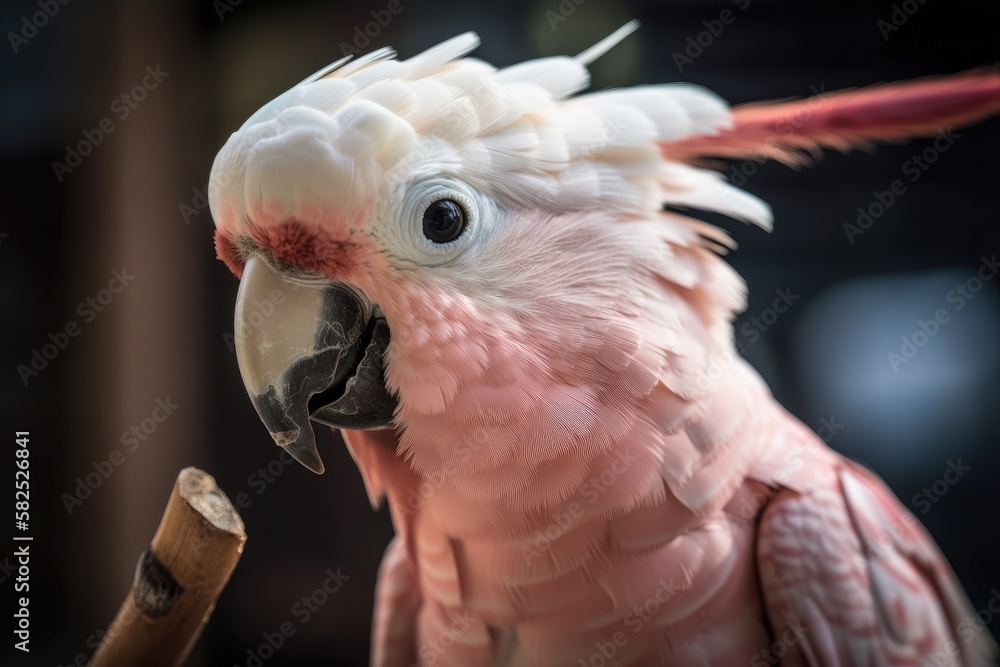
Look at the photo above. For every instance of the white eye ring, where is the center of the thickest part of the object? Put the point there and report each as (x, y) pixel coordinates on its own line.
(417, 199)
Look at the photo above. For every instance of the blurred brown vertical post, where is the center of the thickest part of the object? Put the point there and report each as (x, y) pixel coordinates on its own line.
(178, 578)
(152, 342)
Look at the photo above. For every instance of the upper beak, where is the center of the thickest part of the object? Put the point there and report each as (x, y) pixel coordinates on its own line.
(297, 339)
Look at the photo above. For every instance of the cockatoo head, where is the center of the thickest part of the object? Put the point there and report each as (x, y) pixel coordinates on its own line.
(455, 251)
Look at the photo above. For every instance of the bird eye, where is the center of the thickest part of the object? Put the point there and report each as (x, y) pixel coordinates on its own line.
(437, 220)
(444, 221)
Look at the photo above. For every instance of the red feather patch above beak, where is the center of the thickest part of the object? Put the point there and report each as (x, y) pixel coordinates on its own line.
(294, 244)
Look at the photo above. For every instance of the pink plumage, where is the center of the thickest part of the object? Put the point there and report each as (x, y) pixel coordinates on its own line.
(787, 130)
(581, 470)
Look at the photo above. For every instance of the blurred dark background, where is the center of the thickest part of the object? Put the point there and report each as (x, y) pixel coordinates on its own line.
(135, 203)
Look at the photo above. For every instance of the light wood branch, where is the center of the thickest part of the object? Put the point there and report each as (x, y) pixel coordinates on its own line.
(178, 578)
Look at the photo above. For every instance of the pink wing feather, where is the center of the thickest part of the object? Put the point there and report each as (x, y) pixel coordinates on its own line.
(856, 574)
(790, 131)
(397, 599)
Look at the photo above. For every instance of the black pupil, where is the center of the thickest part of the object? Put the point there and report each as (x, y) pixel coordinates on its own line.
(444, 221)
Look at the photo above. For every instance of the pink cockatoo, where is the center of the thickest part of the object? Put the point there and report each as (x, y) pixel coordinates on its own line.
(471, 272)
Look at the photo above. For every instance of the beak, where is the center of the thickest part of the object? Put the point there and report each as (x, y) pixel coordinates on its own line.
(310, 350)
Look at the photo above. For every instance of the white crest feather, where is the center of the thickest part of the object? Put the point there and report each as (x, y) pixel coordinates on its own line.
(516, 134)
(315, 76)
(608, 43)
(445, 52)
(378, 55)
(559, 76)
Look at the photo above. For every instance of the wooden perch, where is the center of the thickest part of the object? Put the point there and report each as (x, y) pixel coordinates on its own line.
(178, 578)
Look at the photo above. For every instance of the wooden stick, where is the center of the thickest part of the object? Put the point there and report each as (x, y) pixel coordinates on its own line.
(178, 578)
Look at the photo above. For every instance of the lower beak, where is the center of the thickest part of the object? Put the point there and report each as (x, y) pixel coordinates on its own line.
(310, 347)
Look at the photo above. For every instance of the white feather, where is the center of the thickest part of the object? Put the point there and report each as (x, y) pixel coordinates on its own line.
(385, 53)
(382, 70)
(707, 111)
(700, 188)
(608, 43)
(452, 49)
(431, 100)
(559, 76)
(326, 95)
(357, 130)
(394, 95)
(315, 76)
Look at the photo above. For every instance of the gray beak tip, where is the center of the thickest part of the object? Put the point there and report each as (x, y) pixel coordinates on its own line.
(316, 466)
(302, 450)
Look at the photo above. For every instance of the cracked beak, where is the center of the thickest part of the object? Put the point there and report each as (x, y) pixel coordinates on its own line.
(310, 349)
